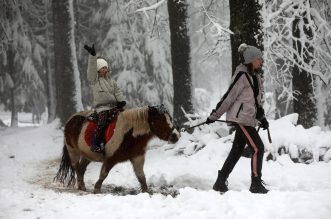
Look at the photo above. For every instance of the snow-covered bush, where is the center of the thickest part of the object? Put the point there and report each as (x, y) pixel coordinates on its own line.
(302, 145)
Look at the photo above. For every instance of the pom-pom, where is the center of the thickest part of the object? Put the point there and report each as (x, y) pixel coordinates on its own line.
(242, 47)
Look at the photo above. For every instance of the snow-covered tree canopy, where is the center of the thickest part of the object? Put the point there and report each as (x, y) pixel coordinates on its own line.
(133, 35)
(280, 54)
(21, 23)
(136, 44)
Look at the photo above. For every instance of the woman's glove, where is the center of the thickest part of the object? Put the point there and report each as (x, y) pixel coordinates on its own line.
(91, 50)
(264, 123)
(260, 113)
(208, 121)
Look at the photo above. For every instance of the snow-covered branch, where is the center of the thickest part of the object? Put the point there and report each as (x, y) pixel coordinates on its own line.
(216, 27)
(152, 7)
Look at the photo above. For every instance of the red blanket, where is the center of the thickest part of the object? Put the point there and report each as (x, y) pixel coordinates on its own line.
(90, 130)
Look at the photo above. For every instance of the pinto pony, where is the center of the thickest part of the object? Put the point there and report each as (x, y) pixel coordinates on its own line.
(134, 128)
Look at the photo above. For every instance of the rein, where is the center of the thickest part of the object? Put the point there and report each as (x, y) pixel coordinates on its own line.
(219, 120)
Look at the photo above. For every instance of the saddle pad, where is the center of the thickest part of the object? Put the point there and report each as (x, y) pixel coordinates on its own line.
(92, 126)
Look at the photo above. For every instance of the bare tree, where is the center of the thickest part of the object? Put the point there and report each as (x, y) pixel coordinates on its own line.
(297, 39)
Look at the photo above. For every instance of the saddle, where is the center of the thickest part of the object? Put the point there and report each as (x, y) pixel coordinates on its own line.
(92, 125)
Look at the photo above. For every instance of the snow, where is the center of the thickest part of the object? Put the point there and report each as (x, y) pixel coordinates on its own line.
(30, 157)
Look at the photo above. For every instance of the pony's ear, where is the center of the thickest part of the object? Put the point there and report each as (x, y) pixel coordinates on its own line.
(162, 109)
(152, 109)
(158, 109)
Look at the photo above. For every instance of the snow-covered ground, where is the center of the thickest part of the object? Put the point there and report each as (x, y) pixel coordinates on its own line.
(180, 175)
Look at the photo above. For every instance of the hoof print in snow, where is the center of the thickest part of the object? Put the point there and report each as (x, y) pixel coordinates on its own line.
(122, 191)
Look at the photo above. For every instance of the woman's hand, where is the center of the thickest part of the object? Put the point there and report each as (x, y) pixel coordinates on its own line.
(208, 121)
(264, 123)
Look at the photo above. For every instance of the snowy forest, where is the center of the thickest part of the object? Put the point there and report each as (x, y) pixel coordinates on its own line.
(175, 53)
(183, 54)
(171, 52)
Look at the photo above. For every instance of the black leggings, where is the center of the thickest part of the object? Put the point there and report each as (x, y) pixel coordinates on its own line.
(245, 135)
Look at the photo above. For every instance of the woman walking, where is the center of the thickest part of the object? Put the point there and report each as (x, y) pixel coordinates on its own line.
(242, 105)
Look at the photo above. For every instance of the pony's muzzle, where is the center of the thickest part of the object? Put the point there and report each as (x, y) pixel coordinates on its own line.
(174, 137)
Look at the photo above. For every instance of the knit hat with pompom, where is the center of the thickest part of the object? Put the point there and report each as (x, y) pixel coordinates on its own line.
(101, 63)
(249, 53)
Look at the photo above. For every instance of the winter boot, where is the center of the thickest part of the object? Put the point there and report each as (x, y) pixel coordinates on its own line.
(257, 186)
(97, 145)
(221, 183)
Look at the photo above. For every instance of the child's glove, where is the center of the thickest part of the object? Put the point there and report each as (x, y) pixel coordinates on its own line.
(120, 105)
(91, 50)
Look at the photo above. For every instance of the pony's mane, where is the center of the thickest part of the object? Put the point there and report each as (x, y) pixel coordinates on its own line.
(137, 116)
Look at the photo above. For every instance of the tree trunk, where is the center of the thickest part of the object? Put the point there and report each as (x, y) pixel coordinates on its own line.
(245, 23)
(51, 98)
(321, 104)
(12, 74)
(67, 88)
(81, 38)
(304, 102)
(11, 70)
(180, 57)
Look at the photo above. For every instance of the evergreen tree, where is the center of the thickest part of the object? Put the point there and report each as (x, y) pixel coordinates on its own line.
(21, 54)
(180, 57)
(121, 41)
(136, 48)
(245, 23)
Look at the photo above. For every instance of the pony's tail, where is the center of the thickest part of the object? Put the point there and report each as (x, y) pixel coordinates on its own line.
(66, 172)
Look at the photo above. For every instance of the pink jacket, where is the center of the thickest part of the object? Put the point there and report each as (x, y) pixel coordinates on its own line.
(238, 102)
